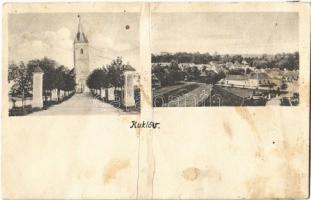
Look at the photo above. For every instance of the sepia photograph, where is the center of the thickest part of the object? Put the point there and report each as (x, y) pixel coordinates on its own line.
(225, 59)
(156, 100)
(73, 63)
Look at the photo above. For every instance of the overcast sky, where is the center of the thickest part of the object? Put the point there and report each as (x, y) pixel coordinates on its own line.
(225, 33)
(33, 36)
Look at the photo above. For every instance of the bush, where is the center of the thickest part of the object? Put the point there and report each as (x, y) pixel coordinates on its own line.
(20, 111)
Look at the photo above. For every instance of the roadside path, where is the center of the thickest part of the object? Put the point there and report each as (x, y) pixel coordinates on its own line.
(79, 104)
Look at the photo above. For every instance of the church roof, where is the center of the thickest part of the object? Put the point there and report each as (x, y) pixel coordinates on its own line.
(128, 68)
(38, 70)
(236, 77)
(259, 76)
(80, 36)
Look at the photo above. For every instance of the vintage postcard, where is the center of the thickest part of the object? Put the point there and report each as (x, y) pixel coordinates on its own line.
(155, 100)
(235, 61)
(73, 63)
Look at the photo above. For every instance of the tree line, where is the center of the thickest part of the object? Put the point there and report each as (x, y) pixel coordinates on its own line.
(107, 76)
(289, 61)
(169, 75)
(55, 76)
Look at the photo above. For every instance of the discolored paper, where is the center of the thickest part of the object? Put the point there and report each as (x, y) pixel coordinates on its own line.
(170, 126)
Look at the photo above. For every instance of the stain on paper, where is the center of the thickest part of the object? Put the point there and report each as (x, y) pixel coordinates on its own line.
(247, 116)
(113, 168)
(257, 187)
(191, 173)
(228, 130)
(194, 173)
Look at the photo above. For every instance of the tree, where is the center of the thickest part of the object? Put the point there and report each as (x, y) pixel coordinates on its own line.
(220, 75)
(289, 61)
(49, 77)
(296, 61)
(54, 77)
(13, 72)
(111, 75)
(284, 86)
(115, 71)
(248, 71)
(22, 83)
(105, 80)
(174, 72)
(60, 83)
(94, 80)
(260, 64)
(237, 58)
(195, 72)
(70, 82)
(159, 72)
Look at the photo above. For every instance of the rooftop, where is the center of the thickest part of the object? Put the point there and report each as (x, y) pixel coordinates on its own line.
(128, 68)
(80, 36)
(236, 77)
(38, 70)
(259, 76)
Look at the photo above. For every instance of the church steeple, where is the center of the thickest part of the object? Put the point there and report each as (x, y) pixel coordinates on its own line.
(81, 58)
(80, 36)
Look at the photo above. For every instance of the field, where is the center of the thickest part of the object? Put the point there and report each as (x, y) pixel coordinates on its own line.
(183, 94)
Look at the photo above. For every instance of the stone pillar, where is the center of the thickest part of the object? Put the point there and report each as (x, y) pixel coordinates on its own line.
(37, 87)
(129, 97)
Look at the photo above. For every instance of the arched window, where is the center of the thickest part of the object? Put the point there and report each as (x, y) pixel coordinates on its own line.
(81, 51)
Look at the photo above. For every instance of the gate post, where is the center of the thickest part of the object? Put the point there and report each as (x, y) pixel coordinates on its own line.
(37, 87)
(128, 97)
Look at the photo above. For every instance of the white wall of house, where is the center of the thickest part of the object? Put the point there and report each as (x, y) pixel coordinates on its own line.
(253, 83)
(237, 82)
(260, 82)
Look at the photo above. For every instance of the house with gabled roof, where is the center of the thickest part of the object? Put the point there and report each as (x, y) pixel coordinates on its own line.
(259, 79)
(236, 80)
(253, 80)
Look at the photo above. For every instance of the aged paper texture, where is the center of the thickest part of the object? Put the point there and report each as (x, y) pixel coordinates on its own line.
(81, 146)
(231, 150)
(155, 100)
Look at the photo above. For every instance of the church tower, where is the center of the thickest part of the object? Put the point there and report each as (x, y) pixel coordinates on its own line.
(81, 59)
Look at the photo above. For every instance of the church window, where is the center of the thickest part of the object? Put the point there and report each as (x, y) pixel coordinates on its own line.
(81, 51)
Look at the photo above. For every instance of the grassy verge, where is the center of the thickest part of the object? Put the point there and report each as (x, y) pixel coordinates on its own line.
(20, 111)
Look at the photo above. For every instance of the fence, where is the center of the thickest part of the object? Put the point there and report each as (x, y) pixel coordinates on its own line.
(17, 102)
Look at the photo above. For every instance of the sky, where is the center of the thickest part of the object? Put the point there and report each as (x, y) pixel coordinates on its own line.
(225, 33)
(34, 36)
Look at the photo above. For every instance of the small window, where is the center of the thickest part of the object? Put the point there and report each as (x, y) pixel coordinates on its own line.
(81, 51)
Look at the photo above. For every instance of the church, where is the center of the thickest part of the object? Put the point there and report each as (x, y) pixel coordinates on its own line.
(81, 59)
